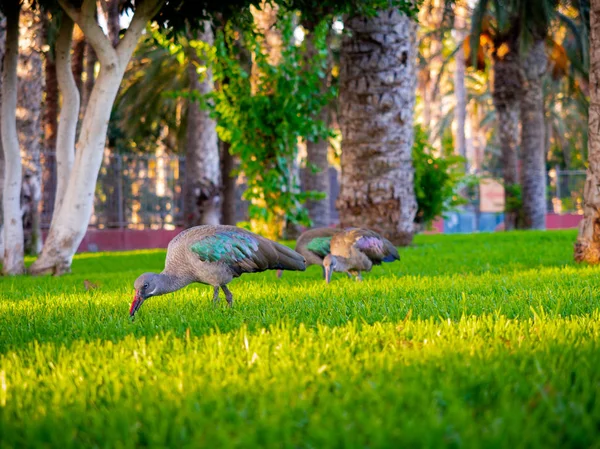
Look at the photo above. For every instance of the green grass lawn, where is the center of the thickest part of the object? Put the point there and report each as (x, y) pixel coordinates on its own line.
(488, 340)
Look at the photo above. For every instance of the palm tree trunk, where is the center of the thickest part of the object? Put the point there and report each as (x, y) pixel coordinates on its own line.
(202, 189)
(377, 96)
(316, 159)
(587, 247)
(533, 144)
(507, 92)
(229, 190)
(460, 91)
(318, 181)
(29, 124)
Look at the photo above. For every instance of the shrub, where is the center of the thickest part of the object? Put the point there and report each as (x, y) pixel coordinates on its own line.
(437, 180)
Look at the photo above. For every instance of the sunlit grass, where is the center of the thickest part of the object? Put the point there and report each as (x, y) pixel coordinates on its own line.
(468, 341)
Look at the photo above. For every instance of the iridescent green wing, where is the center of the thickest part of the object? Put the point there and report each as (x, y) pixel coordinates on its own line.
(230, 247)
(320, 246)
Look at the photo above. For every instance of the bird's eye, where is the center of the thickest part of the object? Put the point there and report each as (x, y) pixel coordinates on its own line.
(146, 285)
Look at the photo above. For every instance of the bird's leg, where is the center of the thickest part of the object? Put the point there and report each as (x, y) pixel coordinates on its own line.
(216, 295)
(357, 274)
(324, 273)
(349, 275)
(228, 295)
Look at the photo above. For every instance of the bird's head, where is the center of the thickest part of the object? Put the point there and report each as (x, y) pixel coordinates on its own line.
(331, 264)
(146, 285)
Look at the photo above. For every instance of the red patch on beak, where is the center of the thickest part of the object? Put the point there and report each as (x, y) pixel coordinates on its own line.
(137, 302)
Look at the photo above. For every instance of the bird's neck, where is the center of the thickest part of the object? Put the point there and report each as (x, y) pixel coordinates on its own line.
(341, 264)
(171, 282)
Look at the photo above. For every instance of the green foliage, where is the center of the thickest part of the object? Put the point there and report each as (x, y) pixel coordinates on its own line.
(483, 341)
(514, 200)
(437, 179)
(263, 114)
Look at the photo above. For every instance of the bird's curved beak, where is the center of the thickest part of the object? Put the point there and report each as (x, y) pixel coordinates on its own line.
(328, 271)
(138, 300)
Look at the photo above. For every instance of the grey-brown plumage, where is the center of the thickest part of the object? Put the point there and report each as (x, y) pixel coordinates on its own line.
(214, 255)
(355, 250)
(314, 245)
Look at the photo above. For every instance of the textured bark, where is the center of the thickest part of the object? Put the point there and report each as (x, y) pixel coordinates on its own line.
(316, 158)
(533, 144)
(228, 208)
(13, 225)
(78, 56)
(69, 112)
(431, 15)
(70, 222)
(264, 20)
(460, 91)
(507, 96)
(29, 120)
(587, 247)
(202, 189)
(50, 124)
(377, 95)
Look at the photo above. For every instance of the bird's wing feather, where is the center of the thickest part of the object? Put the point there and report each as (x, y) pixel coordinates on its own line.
(375, 247)
(320, 246)
(245, 252)
(226, 246)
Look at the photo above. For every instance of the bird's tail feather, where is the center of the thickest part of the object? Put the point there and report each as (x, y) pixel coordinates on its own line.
(288, 259)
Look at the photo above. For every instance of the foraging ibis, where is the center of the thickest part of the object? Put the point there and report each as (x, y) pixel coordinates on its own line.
(314, 246)
(214, 255)
(355, 250)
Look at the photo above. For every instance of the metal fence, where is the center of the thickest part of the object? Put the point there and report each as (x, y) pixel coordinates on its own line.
(140, 191)
(133, 191)
(566, 188)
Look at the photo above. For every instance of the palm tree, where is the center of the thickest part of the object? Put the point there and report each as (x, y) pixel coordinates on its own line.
(517, 32)
(202, 189)
(494, 32)
(316, 176)
(143, 114)
(587, 248)
(376, 100)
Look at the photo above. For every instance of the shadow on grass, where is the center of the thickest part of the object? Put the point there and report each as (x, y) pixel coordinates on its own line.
(499, 397)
